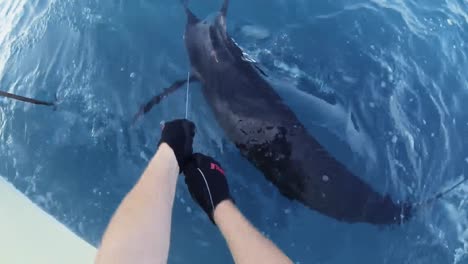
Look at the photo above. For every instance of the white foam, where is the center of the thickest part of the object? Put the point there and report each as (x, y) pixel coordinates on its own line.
(255, 31)
(10, 15)
(2, 121)
(457, 211)
(293, 70)
(410, 140)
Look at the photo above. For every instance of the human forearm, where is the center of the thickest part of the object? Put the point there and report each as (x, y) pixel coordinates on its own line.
(206, 181)
(139, 232)
(245, 242)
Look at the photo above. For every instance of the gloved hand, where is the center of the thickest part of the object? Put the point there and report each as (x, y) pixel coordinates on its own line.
(206, 182)
(178, 134)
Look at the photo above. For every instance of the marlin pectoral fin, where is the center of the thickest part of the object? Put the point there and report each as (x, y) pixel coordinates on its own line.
(25, 99)
(145, 108)
(442, 194)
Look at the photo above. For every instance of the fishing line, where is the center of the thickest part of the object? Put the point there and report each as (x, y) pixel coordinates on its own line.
(187, 96)
(164, 94)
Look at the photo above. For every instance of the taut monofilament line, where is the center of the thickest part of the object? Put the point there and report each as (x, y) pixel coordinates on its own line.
(187, 95)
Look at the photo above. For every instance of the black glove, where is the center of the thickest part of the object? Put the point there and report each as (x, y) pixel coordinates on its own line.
(206, 182)
(178, 134)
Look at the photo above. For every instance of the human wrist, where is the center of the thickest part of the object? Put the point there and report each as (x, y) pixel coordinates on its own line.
(166, 151)
(221, 208)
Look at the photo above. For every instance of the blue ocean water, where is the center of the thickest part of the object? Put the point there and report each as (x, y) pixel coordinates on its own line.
(381, 83)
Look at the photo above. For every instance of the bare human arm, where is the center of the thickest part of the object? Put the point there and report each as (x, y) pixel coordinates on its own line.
(247, 245)
(139, 232)
(208, 186)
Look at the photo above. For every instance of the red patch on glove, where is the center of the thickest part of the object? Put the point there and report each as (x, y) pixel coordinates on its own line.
(216, 167)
